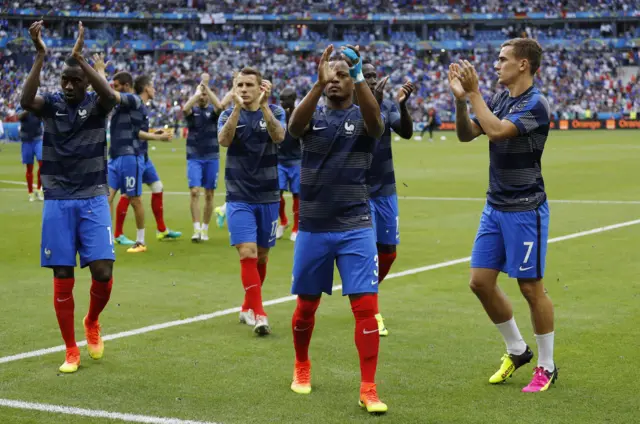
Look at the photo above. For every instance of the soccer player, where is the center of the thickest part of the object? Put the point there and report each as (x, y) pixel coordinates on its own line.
(433, 122)
(127, 162)
(382, 179)
(251, 130)
(143, 86)
(31, 139)
(338, 141)
(289, 168)
(203, 154)
(514, 226)
(76, 217)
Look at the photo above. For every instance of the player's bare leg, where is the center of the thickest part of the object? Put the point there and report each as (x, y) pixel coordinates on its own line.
(367, 338)
(208, 212)
(484, 284)
(112, 195)
(252, 283)
(138, 211)
(302, 324)
(101, 284)
(542, 318)
(63, 282)
(195, 213)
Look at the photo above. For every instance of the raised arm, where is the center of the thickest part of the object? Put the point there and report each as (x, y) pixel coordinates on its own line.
(466, 129)
(495, 128)
(404, 126)
(369, 106)
(99, 65)
(226, 100)
(228, 122)
(217, 105)
(275, 124)
(301, 116)
(107, 97)
(28, 99)
(188, 107)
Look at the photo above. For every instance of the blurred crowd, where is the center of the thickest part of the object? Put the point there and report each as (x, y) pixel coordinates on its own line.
(356, 7)
(574, 81)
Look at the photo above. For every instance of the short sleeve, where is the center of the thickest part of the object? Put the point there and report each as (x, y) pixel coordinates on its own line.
(100, 108)
(145, 122)
(393, 115)
(490, 105)
(130, 101)
(530, 115)
(385, 119)
(224, 117)
(214, 116)
(48, 109)
(280, 115)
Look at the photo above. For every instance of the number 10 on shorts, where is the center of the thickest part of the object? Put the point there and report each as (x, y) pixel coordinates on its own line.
(130, 182)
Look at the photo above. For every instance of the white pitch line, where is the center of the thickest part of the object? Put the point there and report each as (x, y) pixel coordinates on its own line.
(205, 317)
(93, 413)
(20, 183)
(482, 199)
(436, 199)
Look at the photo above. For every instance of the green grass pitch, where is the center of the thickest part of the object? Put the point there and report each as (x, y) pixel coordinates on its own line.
(434, 366)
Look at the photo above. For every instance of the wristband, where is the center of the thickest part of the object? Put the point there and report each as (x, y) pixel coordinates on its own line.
(355, 71)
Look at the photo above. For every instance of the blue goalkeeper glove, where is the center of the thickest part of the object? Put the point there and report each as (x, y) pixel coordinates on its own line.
(355, 71)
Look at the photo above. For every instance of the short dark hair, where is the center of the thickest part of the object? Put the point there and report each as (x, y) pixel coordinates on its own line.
(248, 70)
(526, 48)
(288, 91)
(71, 61)
(367, 61)
(140, 83)
(124, 78)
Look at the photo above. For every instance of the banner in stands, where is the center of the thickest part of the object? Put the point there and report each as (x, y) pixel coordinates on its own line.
(190, 46)
(563, 125)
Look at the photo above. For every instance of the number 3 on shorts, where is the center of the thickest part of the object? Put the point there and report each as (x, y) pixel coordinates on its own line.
(375, 271)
